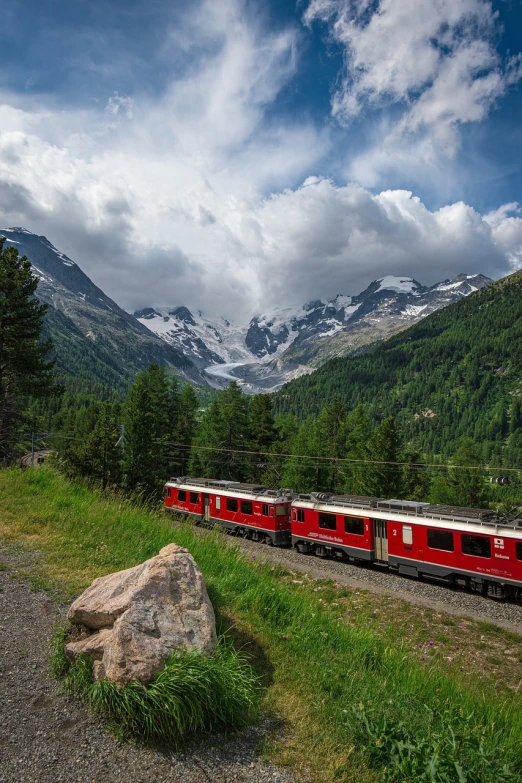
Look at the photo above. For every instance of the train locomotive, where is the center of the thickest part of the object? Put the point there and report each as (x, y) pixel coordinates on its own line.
(474, 548)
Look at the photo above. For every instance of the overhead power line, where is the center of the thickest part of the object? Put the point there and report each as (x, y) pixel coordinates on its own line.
(344, 459)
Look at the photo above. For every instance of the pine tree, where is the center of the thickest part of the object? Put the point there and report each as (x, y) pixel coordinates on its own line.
(331, 441)
(301, 472)
(96, 451)
(262, 433)
(24, 369)
(357, 440)
(204, 461)
(187, 424)
(149, 408)
(381, 477)
(467, 480)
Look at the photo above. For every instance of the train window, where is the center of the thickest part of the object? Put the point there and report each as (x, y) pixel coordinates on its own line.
(182, 495)
(441, 539)
(281, 510)
(300, 514)
(354, 525)
(479, 546)
(218, 503)
(194, 497)
(169, 492)
(519, 550)
(327, 521)
(231, 504)
(407, 534)
(264, 509)
(246, 507)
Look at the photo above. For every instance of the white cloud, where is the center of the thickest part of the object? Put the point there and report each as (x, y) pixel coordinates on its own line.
(320, 240)
(167, 199)
(432, 61)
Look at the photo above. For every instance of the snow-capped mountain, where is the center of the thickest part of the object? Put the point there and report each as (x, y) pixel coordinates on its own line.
(93, 336)
(282, 344)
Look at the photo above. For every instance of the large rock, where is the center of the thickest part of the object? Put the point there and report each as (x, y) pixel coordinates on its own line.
(136, 619)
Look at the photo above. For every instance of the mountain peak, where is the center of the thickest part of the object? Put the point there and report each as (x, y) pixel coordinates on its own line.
(406, 285)
(18, 230)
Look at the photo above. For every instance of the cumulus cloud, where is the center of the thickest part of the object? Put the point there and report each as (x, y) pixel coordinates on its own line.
(321, 239)
(432, 64)
(199, 195)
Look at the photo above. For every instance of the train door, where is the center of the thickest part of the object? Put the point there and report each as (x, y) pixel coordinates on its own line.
(206, 507)
(380, 537)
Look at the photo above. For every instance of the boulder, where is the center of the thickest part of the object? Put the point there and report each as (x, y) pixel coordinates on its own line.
(137, 618)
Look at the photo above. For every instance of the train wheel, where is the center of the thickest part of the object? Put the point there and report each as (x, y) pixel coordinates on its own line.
(302, 547)
(495, 590)
(268, 541)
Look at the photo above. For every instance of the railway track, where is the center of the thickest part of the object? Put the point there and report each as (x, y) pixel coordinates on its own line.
(444, 598)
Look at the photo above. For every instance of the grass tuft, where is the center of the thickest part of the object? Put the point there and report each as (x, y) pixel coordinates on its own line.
(194, 694)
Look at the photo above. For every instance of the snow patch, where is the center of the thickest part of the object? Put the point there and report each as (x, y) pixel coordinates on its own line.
(399, 284)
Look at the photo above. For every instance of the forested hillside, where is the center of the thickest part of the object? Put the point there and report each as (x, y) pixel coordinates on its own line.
(457, 373)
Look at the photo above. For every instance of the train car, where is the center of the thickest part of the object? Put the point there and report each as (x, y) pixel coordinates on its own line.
(471, 547)
(250, 510)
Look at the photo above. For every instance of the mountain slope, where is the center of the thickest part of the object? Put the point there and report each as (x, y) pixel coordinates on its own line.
(94, 338)
(286, 343)
(456, 373)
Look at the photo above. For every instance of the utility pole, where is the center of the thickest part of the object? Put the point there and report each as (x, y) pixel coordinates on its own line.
(32, 449)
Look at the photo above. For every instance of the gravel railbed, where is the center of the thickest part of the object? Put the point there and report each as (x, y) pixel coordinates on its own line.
(47, 738)
(445, 599)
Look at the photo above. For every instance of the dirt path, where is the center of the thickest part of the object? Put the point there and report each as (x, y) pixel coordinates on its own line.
(46, 738)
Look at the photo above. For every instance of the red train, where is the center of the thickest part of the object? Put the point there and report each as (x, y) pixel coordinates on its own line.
(473, 548)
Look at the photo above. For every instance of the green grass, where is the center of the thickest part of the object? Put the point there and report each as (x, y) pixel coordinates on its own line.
(315, 668)
(193, 695)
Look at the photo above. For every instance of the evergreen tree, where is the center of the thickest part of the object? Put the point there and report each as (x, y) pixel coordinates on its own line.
(187, 424)
(467, 481)
(286, 428)
(96, 452)
(301, 472)
(416, 481)
(204, 462)
(223, 431)
(149, 409)
(262, 433)
(331, 442)
(381, 477)
(357, 447)
(24, 369)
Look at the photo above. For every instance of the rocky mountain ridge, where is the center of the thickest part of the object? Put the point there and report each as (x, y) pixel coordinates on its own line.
(283, 344)
(89, 330)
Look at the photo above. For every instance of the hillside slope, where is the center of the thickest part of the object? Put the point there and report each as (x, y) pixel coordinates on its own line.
(456, 373)
(94, 338)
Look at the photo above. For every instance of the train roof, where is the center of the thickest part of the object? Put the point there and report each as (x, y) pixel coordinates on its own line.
(474, 519)
(239, 487)
(481, 517)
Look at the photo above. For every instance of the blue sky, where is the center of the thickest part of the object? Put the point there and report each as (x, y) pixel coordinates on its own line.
(207, 153)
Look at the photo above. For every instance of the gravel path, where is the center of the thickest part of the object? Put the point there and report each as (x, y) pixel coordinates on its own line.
(443, 599)
(46, 738)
